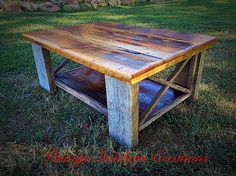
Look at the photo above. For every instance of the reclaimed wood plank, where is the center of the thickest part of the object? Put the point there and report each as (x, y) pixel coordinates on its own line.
(44, 69)
(85, 81)
(159, 94)
(123, 111)
(192, 69)
(127, 53)
(171, 84)
(83, 97)
(61, 65)
(92, 83)
(188, 37)
(162, 111)
(185, 77)
(156, 43)
(197, 76)
(89, 86)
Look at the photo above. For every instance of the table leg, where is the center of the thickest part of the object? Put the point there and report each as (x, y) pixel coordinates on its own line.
(198, 75)
(190, 76)
(123, 111)
(44, 69)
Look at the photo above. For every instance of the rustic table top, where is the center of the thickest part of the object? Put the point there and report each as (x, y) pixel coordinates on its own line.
(128, 53)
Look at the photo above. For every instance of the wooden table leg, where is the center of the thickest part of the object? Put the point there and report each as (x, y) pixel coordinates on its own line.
(44, 69)
(190, 76)
(123, 111)
(197, 75)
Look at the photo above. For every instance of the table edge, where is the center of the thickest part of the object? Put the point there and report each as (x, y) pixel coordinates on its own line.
(140, 74)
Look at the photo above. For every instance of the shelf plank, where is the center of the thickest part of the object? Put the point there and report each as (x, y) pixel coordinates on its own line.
(89, 86)
(162, 111)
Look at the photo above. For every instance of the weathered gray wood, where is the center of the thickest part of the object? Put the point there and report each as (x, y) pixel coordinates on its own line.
(61, 65)
(44, 69)
(185, 76)
(86, 99)
(123, 111)
(157, 98)
(191, 72)
(197, 76)
(172, 85)
(127, 53)
(163, 111)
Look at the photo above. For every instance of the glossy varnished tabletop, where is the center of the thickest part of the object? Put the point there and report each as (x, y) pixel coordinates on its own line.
(128, 53)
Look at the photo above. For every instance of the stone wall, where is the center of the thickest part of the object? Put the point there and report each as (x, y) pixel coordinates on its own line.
(66, 5)
(61, 5)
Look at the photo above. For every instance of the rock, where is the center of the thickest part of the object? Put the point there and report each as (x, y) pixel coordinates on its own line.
(88, 5)
(94, 6)
(12, 6)
(49, 7)
(102, 4)
(127, 2)
(2, 5)
(26, 5)
(101, 1)
(58, 2)
(34, 6)
(55, 8)
(160, 1)
(71, 2)
(114, 3)
(94, 3)
(45, 4)
(71, 7)
(141, 1)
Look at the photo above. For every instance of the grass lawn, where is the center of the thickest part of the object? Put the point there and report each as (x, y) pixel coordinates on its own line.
(32, 121)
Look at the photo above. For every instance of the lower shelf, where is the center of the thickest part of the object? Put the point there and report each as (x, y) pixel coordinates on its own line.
(89, 86)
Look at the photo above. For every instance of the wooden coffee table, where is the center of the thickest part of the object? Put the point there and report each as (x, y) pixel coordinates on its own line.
(118, 61)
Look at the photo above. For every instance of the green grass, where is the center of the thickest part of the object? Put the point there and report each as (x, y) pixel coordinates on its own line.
(32, 120)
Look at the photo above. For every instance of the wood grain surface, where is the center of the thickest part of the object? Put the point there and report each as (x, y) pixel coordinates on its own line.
(127, 53)
(123, 111)
(44, 68)
(91, 84)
